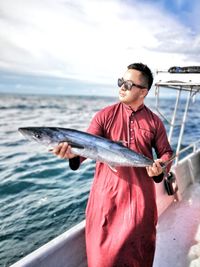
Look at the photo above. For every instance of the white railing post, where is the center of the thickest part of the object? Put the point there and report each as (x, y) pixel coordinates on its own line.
(183, 126)
(174, 116)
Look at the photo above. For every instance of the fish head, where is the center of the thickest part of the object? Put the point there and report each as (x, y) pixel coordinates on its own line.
(41, 135)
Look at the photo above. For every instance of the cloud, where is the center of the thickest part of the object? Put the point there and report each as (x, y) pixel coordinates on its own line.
(93, 40)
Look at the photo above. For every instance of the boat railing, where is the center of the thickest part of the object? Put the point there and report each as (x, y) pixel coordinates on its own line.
(182, 82)
(194, 147)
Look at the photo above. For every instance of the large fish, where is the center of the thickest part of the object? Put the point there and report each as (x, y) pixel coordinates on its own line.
(88, 145)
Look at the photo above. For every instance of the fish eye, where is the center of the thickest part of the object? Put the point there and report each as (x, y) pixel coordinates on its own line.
(37, 135)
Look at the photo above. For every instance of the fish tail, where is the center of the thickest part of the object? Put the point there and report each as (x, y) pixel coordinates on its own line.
(166, 163)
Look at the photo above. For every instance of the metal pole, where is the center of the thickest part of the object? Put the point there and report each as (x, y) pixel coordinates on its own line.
(157, 97)
(158, 105)
(183, 125)
(174, 116)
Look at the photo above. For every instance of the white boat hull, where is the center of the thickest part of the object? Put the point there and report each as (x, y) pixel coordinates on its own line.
(68, 249)
(174, 244)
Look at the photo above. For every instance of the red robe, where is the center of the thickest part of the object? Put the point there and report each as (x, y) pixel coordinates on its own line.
(121, 214)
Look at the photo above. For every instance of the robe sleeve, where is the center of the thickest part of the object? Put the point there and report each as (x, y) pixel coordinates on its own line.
(96, 125)
(159, 178)
(74, 163)
(162, 147)
(94, 128)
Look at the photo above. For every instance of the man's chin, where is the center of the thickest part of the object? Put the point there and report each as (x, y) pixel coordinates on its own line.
(123, 100)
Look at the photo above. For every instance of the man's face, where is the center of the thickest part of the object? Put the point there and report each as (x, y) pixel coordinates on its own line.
(135, 94)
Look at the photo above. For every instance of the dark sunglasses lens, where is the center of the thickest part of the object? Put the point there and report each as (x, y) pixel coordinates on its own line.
(127, 85)
(120, 82)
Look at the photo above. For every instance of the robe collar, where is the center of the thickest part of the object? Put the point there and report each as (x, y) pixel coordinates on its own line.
(130, 111)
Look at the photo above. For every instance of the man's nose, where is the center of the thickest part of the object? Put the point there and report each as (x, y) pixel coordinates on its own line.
(122, 87)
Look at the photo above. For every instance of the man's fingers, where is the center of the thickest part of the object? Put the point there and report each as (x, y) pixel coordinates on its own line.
(155, 169)
(60, 149)
(56, 150)
(65, 151)
(68, 153)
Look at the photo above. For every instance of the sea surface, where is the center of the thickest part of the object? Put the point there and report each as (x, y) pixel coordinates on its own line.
(40, 197)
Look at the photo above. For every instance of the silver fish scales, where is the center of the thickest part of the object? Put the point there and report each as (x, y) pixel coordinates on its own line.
(88, 145)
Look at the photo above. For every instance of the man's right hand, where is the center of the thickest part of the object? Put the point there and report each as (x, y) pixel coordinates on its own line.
(63, 151)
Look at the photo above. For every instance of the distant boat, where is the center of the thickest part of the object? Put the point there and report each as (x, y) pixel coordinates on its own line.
(188, 69)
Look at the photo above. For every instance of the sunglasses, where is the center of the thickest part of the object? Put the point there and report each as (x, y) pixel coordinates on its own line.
(128, 84)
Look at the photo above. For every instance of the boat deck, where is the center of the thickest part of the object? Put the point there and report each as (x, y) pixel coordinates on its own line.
(178, 232)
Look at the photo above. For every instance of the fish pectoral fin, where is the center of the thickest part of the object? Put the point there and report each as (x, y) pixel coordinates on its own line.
(74, 145)
(122, 142)
(112, 168)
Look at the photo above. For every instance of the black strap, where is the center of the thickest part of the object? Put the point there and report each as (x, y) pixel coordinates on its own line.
(74, 163)
(159, 178)
(170, 183)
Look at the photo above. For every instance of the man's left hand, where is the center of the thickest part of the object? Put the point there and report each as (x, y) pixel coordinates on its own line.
(155, 169)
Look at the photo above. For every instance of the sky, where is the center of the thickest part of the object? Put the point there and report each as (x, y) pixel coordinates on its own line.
(83, 46)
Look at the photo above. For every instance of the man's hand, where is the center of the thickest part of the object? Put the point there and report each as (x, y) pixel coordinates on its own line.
(63, 151)
(155, 169)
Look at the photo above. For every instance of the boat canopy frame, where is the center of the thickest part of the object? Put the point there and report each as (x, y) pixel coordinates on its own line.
(191, 88)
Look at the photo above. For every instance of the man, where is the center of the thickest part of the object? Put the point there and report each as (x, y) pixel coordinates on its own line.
(121, 213)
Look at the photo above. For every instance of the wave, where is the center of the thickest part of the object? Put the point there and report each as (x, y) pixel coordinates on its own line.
(40, 197)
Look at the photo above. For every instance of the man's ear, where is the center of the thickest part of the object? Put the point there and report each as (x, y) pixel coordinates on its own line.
(144, 92)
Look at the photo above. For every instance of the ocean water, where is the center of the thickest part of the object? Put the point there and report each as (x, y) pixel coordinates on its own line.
(40, 197)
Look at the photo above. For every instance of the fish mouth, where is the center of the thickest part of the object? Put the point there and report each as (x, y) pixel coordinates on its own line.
(30, 134)
(22, 130)
(26, 132)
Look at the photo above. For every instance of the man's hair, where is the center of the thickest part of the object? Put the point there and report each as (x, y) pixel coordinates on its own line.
(145, 71)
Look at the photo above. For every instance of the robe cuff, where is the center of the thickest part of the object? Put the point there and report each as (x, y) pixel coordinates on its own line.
(74, 163)
(159, 178)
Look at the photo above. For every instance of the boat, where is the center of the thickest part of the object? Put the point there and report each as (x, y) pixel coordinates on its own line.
(188, 69)
(178, 199)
